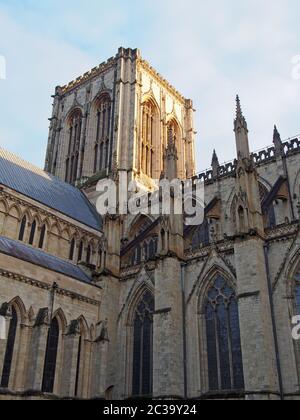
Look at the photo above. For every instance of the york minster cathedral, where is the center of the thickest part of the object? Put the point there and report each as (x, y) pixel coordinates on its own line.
(143, 307)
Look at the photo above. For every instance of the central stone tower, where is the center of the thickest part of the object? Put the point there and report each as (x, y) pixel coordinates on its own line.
(121, 115)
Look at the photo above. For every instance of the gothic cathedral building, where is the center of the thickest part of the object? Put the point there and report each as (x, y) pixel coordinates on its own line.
(126, 307)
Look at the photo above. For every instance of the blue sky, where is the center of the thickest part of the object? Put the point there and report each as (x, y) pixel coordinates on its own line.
(210, 51)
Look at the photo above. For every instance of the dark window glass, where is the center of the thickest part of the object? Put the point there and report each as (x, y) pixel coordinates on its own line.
(51, 356)
(225, 364)
(78, 367)
(72, 250)
(80, 251)
(9, 349)
(22, 228)
(143, 347)
(88, 254)
(42, 237)
(32, 233)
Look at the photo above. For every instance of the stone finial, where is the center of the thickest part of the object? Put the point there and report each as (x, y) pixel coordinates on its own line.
(215, 164)
(241, 133)
(277, 142)
(240, 120)
(239, 112)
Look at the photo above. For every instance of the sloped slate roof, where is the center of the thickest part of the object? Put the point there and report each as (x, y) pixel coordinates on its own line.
(36, 256)
(47, 189)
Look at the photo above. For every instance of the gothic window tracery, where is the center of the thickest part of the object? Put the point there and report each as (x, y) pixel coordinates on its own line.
(143, 347)
(145, 251)
(225, 365)
(74, 148)
(102, 141)
(149, 122)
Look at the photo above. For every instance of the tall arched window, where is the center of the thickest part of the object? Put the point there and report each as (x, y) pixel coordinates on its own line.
(80, 251)
(8, 358)
(149, 127)
(72, 250)
(72, 160)
(102, 141)
(22, 228)
(225, 364)
(88, 254)
(42, 237)
(32, 233)
(143, 347)
(51, 357)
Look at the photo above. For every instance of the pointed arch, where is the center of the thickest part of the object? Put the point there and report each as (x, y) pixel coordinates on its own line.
(101, 130)
(20, 307)
(74, 111)
(56, 229)
(74, 122)
(15, 211)
(18, 316)
(3, 206)
(150, 137)
(140, 286)
(206, 279)
(66, 234)
(220, 331)
(62, 320)
(140, 223)
(10, 348)
(84, 327)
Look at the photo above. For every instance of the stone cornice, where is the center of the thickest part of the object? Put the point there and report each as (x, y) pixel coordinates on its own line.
(48, 287)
